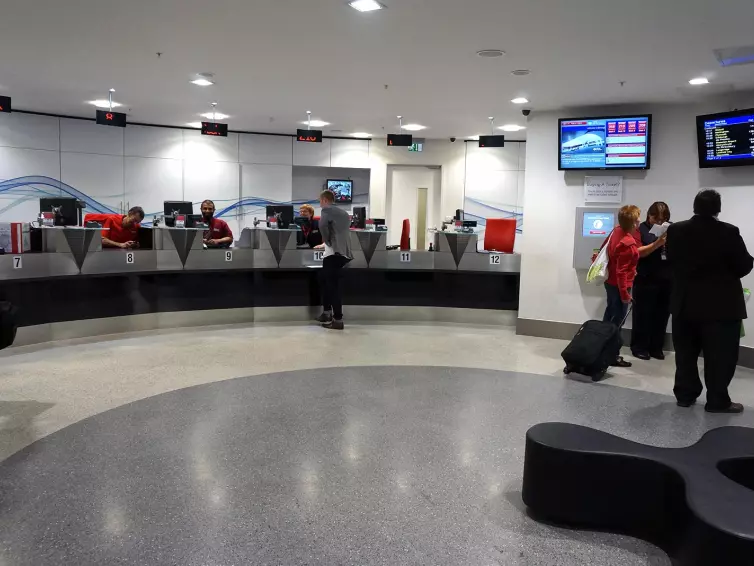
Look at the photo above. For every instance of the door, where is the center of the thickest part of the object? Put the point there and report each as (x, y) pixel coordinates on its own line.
(421, 218)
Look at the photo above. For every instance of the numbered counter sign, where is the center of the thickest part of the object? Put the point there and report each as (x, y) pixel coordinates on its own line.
(494, 259)
(130, 258)
(229, 256)
(319, 256)
(18, 262)
(405, 257)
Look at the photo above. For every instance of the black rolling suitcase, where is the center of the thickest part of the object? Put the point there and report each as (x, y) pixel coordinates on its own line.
(8, 324)
(596, 345)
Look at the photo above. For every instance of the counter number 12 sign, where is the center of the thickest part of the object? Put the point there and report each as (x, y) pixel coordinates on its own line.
(494, 259)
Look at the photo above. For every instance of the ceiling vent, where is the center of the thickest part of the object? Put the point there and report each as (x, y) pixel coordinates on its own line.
(735, 56)
(490, 53)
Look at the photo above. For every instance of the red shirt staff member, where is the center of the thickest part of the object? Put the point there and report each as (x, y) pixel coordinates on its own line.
(122, 231)
(219, 233)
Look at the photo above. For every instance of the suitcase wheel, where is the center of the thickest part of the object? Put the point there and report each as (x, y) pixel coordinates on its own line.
(566, 370)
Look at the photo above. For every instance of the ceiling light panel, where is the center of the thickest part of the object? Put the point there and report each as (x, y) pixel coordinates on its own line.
(366, 5)
(699, 81)
(214, 116)
(361, 135)
(520, 100)
(316, 123)
(512, 128)
(202, 82)
(414, 127)
(103, 103)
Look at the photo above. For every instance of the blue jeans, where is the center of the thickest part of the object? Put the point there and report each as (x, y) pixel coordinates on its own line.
(616, 309)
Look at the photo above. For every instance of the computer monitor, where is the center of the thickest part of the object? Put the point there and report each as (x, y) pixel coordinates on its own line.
(359, 217)
(172, 207)
(67, 210)
(284, 212)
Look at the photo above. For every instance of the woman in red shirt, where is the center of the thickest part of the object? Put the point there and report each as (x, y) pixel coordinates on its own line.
(623, 257)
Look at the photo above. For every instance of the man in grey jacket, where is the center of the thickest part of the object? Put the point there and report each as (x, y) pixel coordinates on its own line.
(334, 225)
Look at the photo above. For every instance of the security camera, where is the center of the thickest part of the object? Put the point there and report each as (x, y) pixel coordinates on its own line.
(526, 111)
(452, 139)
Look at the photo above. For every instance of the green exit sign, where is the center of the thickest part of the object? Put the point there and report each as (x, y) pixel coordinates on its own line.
(416, 147)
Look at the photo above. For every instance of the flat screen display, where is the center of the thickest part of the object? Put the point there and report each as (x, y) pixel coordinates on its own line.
(598, 224)
(214, 129)
(400, 140)
(620, 142)
(108, 118)
(726, 140)
(342, 189)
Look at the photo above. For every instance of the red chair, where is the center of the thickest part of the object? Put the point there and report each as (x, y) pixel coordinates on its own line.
(500, 235)
(406, 235)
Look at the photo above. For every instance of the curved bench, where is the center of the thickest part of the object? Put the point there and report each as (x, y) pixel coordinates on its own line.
(695, 502)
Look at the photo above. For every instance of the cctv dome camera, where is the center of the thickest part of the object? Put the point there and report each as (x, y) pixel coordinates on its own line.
(526, 111)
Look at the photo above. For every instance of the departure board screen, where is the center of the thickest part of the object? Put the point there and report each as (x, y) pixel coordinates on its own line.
(726, 140)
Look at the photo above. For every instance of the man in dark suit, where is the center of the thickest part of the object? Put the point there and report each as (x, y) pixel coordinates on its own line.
(708, 258)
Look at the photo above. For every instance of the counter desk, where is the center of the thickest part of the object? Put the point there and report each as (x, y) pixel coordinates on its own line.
(79, 289)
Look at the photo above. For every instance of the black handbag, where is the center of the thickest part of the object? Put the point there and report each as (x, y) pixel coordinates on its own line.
(8, 324)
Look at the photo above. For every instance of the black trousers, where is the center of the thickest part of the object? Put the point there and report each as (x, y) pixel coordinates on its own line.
(718, 341)
(650, 315)
(330, 277)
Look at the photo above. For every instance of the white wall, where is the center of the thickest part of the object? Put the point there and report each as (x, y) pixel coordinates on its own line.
(550, 288)
(111, 168)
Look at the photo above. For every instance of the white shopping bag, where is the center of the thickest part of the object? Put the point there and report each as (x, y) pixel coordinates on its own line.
(597, 273)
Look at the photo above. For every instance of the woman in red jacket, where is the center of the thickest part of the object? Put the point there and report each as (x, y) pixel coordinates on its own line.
(623, 257)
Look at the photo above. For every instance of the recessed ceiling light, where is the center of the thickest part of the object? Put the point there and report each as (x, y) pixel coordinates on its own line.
(472, 138)
(366, 5)
(194, 124)
(102, 103)
(202, 82)
(699, 81)
(520, 72)
(414, 127)
(214, 116)
(490, 53)
(512, 128)
(316, 123)
(520, 100)
(361, 135)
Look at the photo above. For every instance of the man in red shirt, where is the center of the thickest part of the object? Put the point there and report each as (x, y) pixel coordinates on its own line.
(122, 231)
(219, 234)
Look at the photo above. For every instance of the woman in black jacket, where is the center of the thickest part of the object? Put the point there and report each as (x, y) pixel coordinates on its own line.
(651, 291)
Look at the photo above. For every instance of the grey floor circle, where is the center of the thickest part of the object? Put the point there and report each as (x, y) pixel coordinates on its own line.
(361, 465)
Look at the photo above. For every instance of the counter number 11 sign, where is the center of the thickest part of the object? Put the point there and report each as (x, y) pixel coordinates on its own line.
(405, 257)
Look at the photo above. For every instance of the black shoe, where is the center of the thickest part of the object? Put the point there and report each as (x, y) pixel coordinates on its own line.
(324, 317)
(733, 409)
(659, 355)
(685, 404)
(640, 355)
(621, 363)
(333, 324)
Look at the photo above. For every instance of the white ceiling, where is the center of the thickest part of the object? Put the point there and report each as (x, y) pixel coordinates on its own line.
(275, 59)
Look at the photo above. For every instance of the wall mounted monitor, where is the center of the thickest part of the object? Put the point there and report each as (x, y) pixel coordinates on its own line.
(342, 189)
(492, 141)
(610, 142)
(726, 139)
(5, 104)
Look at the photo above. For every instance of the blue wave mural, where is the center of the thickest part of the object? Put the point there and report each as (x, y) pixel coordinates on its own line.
(34, 187)
(494, 212)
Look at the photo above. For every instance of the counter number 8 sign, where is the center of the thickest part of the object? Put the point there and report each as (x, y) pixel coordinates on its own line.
(129, 258)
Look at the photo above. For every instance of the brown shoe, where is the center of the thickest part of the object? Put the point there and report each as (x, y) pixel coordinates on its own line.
(733, 408)
(334, 324)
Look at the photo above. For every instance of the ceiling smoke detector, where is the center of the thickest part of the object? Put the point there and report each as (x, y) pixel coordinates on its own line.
(490, 53)
(520, 72)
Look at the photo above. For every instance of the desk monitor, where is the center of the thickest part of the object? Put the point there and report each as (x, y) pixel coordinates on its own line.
(145, 237)
(67, 210)
(171, 207)
(284, 212)
(342, 189)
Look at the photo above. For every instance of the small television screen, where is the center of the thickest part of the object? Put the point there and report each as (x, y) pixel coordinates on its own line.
(726, 139)
(400, 140)
(598, 224)
(214, 129)
(491, 141)
(342, 189)
(619, 142)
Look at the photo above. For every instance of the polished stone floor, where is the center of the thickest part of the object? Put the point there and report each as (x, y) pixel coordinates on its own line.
(409, 452)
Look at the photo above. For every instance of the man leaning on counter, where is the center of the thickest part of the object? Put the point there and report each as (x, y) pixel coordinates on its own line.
(121, 231)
